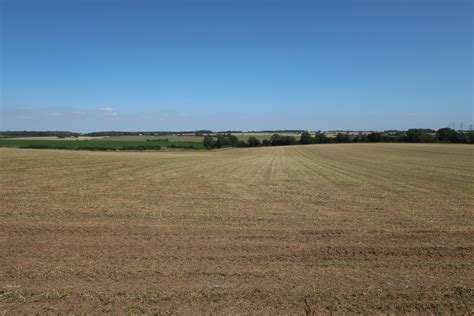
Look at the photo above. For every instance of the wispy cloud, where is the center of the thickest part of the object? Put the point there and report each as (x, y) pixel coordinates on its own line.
(78, 113)
(55, 114)
(109, 111)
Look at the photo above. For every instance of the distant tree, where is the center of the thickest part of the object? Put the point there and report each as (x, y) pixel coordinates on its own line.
(208, 142)
(253, 141)
(278, 140)
(320, 138)
(222, 141)
(306, 138)
(202, 132)
(363, 138)
(233, 140)
(460, 137)
(275, 139)
(374, 137)
(469, 137)
(360, 138)
(289, 140)
(242, 144)
(342, 138)
(266, 142)
(446, 134)
(416, 135)
(226, 140)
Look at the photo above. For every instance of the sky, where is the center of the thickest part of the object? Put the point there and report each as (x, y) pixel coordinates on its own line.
(235, 65)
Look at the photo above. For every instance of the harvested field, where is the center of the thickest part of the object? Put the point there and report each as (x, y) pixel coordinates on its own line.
(354, 228)
(171, 138)
(261, 136)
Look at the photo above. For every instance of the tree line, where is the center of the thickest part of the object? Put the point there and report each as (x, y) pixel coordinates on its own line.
(414, 135)
(60, 134)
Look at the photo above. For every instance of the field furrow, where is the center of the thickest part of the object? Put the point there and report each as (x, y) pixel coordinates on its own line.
(355, 228)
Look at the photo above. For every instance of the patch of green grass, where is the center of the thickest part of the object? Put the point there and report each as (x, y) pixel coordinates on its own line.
(99, 144)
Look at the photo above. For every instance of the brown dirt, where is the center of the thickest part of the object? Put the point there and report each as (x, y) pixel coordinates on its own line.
(354, 228)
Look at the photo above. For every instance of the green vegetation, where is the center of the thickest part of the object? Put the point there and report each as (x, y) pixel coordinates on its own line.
(185, 146)
(278, 140)
(253, 142)
(414, 135)
(208, 142)
(145, 133)
(98, 144)
(306, 138)
(60, 134)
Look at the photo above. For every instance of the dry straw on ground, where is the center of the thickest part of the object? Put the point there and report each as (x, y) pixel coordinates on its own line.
(358, 228)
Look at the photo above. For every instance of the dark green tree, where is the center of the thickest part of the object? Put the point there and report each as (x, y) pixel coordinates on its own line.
(208, 142)
(374, 137)
(306, 138)
(469, 137)
(417, 135)
(242, 144)
(253, 142)
(320, 138)
(446, 134)
(278, 140)
(233, 140)
(275, 140)
(342, 138)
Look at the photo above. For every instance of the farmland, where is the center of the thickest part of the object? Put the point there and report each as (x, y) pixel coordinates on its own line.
(172, 138)
(353, 228)
(98, 144)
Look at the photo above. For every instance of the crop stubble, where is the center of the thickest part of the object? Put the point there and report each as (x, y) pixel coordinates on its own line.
(351, 227)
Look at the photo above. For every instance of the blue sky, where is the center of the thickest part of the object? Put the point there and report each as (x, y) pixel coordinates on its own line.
(248, 65)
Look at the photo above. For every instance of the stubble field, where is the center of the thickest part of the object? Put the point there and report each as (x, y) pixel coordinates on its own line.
(348, 228)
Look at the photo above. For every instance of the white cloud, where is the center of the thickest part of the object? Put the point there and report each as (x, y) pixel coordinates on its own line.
(55, 114)
(108, 111)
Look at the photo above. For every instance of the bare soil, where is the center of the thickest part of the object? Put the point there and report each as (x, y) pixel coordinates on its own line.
(348, 228)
